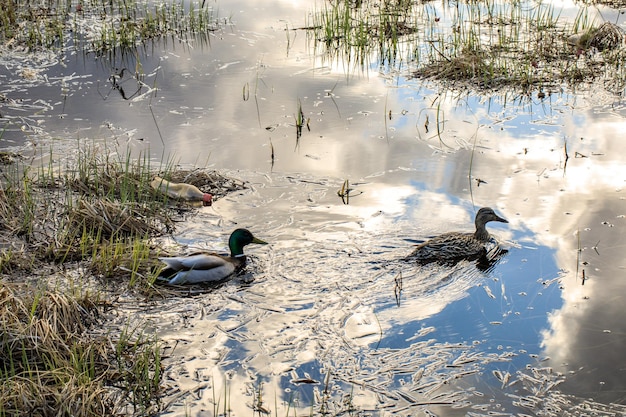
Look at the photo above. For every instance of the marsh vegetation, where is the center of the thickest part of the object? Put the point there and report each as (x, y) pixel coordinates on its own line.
(101, 27)
(484, 45)
(61, 228)
(79, 233)
(56, 359)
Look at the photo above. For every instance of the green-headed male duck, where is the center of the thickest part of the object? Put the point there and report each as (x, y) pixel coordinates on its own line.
(209, 267)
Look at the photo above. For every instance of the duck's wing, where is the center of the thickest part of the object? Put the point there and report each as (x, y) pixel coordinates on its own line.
(195, 261)
(437, 243)
(196, 276)
(447, 246)
(196, 268)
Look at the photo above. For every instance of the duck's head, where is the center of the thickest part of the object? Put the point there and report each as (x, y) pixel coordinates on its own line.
(486, 215)
(240, 238)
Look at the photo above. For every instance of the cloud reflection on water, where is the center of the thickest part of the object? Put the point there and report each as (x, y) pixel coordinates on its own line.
(309, 313)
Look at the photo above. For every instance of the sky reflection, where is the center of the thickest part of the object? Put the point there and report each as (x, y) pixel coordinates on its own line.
(324, 295)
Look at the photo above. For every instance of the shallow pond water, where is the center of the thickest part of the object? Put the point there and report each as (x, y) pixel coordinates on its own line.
(328, 318)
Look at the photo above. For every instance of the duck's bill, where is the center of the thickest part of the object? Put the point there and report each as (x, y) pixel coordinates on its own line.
(259, 241)
(500, 219)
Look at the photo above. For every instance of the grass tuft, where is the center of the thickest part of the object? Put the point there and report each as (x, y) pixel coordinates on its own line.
(103, 212)
(52, 365)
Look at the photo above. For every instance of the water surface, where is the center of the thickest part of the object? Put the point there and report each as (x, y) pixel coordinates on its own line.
(328, 316)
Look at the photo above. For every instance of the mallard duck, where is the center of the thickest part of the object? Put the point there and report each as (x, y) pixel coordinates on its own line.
(454, 246)
(181, 191)
(207, 267)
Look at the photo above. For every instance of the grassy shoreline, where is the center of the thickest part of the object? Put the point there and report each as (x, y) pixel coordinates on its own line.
(96, 223)
(56, 364)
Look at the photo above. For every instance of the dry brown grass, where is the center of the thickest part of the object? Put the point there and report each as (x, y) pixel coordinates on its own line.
(554, 61)
(111, 219)
(41, 334)
(52, 365)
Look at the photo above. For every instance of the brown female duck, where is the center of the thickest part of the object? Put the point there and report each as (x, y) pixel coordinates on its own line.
(455, 246)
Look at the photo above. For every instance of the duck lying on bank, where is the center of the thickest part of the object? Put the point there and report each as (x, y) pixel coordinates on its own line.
(208, 267)
(181, 191)
(455, 246)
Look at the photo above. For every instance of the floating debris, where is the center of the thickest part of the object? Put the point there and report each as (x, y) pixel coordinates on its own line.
(346, 192)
